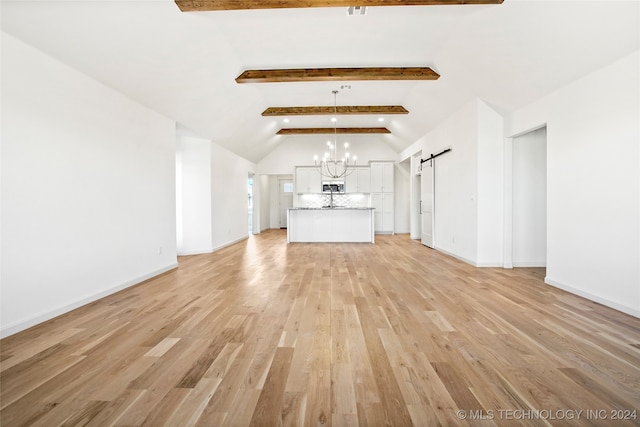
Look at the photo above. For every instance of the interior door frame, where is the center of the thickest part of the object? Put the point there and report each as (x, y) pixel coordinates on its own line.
(428, 170)
(507, 258)
(251, 203)
(415, 185)
(280, 193)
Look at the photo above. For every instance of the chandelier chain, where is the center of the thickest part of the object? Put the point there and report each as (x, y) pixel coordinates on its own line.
(330, 166)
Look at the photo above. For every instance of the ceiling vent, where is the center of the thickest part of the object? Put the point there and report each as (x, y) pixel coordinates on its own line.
(357, 10)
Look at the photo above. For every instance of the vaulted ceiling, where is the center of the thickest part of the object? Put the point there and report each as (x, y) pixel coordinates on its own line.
(185, 64)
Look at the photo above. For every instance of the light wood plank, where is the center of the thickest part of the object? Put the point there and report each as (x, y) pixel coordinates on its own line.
(162, 347)
(267, 410)
(323, 334)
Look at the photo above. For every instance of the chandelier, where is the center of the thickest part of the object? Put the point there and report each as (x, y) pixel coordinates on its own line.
(331, 166)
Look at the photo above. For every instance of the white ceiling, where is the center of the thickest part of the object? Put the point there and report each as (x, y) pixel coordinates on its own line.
(184, 65)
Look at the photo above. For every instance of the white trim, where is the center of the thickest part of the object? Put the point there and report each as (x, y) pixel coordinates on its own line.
(611, 304)
(526, 131)
(542, 263)
(233, 242)
(211, 250)
(507, 233)
(48, 315)
(616, 306)
(468, 261)
(196, 252)
(493, 264)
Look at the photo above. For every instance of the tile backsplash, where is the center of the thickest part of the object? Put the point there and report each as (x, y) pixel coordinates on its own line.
(343, 200)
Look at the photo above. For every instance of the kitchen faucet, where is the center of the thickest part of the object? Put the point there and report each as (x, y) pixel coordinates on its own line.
(331, 205)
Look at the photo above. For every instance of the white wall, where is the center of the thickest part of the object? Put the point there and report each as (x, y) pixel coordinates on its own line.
(294, 152)
(229, 196)
(490, 198)
(529, 247)
(455, 180)
(256, 202)
(193, 180)
(468, 183)
(456, 210)
(214, 206)
(265, 203)
(88, 189)
(593, 183)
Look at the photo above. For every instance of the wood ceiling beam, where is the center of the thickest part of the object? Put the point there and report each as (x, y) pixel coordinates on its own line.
(336, 74)
(207, 5)
(322, 131)
(342, 110)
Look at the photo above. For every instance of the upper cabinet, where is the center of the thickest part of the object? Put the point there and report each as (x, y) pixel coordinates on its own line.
(358, 181)
(382, 177)
(308, 180)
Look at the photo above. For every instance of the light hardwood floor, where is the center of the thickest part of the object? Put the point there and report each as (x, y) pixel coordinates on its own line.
(264, 333)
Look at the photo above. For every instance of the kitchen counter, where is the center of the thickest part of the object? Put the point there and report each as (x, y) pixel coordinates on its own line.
(333, 208)
(337, 224)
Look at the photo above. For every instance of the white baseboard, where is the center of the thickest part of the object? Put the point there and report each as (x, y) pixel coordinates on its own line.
(468, 261)
(195, 252)
(612, 304)
(233, 242)
(211, 250)
(616, 306)
(16, 327)
(490, 264)
(529, 263)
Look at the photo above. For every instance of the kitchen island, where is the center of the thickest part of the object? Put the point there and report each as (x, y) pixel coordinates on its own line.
(330, 225)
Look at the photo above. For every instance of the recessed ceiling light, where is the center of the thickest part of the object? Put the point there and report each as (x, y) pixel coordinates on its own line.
(333, 119)
(381, 119)
(357, 10)
(285, 120)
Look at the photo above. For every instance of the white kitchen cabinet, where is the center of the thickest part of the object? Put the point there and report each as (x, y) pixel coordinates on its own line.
(383, 213)
(358, 181)
(308, 180)
(330, 225)
(382, 177)
(382, 197)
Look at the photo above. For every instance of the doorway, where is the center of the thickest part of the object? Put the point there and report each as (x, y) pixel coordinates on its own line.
(250, 203)
(529, 199)
(285, 200)
(415, 214)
